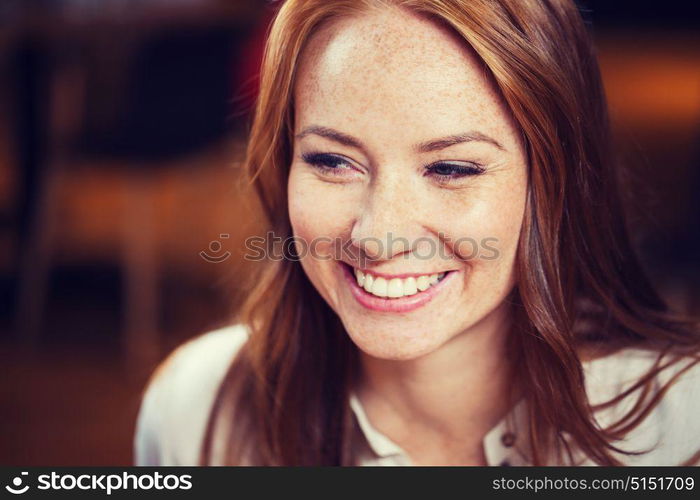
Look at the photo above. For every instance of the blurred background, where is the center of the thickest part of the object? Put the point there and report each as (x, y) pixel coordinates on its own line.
(122, 124)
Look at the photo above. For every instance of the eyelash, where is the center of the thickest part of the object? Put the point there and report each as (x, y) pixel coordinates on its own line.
(471, 170)
(323, 161)
(328, 163)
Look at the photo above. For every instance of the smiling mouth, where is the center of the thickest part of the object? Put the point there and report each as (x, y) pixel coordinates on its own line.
(397, 287)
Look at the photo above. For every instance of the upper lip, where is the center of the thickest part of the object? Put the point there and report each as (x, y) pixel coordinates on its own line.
(400, 275)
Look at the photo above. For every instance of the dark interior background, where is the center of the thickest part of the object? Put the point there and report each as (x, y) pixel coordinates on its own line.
(121, 125)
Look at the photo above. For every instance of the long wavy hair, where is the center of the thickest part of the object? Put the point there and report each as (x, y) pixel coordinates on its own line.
(284, 400)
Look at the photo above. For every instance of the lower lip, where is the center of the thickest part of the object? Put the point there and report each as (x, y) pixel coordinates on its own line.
(403, 304)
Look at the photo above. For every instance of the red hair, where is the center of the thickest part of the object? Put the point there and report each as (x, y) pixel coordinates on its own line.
(285, 397)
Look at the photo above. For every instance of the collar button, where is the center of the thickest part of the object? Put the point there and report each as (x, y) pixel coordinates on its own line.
(508, 439)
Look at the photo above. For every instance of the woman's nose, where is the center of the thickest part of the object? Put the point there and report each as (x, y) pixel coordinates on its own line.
(387, 225)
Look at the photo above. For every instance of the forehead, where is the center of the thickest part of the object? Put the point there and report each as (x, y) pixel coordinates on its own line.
(391, 66)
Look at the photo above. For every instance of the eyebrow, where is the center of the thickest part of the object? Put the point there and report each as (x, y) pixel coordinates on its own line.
(423, 147)
(332, 134)
(451, 140)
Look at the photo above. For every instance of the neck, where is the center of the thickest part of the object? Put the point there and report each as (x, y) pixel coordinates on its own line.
(455, 394)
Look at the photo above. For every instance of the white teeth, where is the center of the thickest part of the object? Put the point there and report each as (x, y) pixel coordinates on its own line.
(379, 287)
(369, 279)
(422, 283)
(396, 287)
(409, 286)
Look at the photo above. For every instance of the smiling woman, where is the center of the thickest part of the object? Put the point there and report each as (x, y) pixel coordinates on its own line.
(382, 101)
(403, 128)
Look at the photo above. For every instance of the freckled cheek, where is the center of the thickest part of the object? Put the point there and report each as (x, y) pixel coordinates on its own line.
(486, 233)
(486, 253)
(321, 216)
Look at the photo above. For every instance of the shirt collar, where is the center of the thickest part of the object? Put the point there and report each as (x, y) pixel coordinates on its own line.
(380, 444)
(503, 444)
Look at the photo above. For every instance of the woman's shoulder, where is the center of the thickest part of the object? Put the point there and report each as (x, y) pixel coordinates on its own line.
(672, 428)
(178, 396)
(201, 356)
(623, 366)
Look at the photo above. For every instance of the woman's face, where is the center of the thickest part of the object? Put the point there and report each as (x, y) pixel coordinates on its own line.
(406, 165)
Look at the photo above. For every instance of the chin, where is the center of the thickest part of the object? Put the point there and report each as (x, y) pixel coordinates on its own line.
(394, 344)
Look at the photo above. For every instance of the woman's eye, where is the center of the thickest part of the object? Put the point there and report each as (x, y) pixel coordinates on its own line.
(447, 172)
(327, 163)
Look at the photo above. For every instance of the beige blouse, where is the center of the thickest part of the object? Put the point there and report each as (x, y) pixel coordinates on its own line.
(178, 398)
